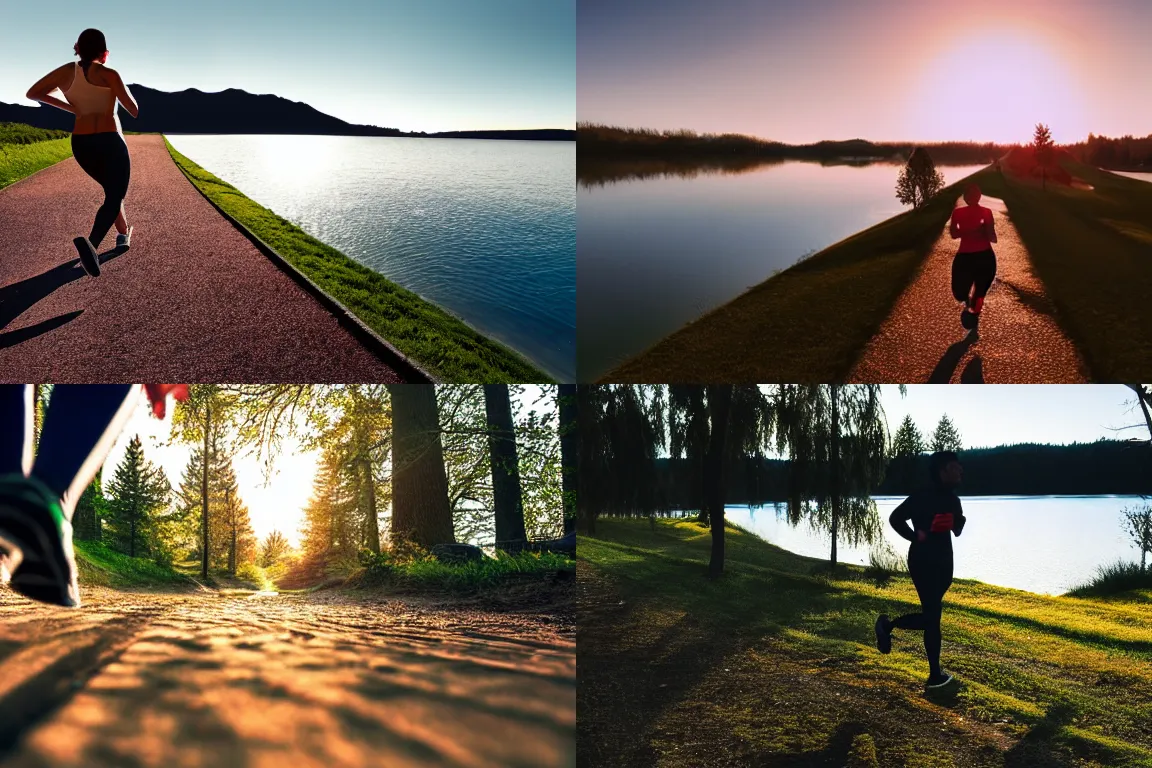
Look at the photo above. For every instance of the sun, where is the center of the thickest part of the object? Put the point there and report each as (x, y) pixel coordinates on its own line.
(996, 85)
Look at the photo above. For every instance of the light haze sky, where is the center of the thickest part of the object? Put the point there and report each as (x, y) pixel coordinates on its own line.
(279, 505)
(433, 65)
(977, 70)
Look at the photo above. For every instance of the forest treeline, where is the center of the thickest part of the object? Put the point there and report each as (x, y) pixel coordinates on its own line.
(1081, 469)
(401, 467)
(598, 142)
(1127, 153)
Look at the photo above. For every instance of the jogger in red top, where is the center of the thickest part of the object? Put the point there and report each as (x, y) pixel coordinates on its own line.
(974, 267)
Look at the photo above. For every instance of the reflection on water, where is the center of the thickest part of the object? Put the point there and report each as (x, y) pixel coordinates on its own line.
(659, 244)
(1046, 544)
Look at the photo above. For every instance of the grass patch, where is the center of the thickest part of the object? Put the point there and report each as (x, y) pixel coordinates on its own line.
(783, 329)
(105, 567)
(443, 344)
(425, 573)
(20, 160)
(1115, 579)
(772, 665)
(1093, 251)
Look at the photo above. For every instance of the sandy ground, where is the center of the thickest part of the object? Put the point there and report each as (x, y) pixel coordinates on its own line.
(192, 301)
(1020, 338)
(271, 681)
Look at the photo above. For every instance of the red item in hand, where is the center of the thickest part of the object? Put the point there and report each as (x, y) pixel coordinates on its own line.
(942, 523)
(158, 395)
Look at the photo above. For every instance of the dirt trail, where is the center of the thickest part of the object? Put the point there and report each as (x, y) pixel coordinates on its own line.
(268, 681)
(1020, 339)
(192, 301)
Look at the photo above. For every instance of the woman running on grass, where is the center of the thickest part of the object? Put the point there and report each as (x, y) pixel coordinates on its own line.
(974, 267)
(92, 91)
(935, 514)
(37, 498)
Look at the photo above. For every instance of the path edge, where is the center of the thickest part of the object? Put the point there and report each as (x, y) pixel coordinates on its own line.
(385, 351)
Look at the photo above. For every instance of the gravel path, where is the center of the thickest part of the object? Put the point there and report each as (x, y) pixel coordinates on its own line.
(268, 681)
(1020, 339)
(192, 301)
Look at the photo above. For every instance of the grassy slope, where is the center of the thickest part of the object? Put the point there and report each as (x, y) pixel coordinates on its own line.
(101, 566)
(773, 666)
(1093, 251)
(808, 323)
(443, 344)
(25, 150)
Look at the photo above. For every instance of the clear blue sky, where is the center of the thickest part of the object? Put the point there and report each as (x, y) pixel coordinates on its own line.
(977, 70)
(431, 65)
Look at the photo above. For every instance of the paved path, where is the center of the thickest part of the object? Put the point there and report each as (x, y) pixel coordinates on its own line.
(1020, 340)
(192, 301)
(207, 680)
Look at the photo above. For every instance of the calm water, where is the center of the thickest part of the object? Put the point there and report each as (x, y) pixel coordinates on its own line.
(1134, 175)
(655, 254)
(1046, 544)
(485, 229)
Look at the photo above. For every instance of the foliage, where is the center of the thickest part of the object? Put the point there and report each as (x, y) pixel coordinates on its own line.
(19, 133)
(138, 496)
(1137, 524)
(272, 549)
(1122, 153)
(919, 181)
(1115, 579)
(946, 437)
(103, 566)
(416, 570)
(907, 441)
(448, 347)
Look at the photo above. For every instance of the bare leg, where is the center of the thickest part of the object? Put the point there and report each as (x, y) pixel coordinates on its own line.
(121, 222)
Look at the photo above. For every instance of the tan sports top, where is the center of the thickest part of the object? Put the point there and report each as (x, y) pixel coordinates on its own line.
(89, 99)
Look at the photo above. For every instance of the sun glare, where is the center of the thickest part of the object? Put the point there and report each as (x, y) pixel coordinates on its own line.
(996, 85)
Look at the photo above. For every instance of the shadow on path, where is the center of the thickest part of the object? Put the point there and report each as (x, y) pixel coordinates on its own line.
(942, 373)
(1038, 748)
(973, 373)
(18, 298)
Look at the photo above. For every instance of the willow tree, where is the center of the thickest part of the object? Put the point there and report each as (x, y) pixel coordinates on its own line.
(420, 509)
(836, 439)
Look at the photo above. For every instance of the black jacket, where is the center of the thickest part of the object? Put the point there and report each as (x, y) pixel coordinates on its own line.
(921, 508)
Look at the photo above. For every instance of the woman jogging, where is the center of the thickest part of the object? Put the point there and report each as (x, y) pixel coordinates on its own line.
(935, 514)
(92, 91)
(974, 267)
(37, 498)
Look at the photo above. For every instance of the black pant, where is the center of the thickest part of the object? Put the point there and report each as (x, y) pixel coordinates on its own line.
(81, 425)
(973, 269)
(104, 157)
(931, 573)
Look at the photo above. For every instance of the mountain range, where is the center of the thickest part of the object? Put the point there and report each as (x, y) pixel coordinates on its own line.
(237, 111)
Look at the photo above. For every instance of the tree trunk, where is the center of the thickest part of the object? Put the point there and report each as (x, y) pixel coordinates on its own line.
(420, 511)
(132, 532)
(569, 453)
(506, 491)
(719, 403)
(232, 522)
(834, 468)
(371, 522)
(204, 495)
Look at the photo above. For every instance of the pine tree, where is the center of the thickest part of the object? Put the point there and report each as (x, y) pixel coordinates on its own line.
(138, 493)
(274, 547)
(1042, 148)
(946, 437)
(90, 510)
(907, 441)
(919, 181)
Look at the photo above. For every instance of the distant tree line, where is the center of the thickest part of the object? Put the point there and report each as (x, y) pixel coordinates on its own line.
(1127, 153)
(596, 141)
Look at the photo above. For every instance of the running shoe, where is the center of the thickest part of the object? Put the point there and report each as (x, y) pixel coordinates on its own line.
(883, 634)
(38, 539)
(968, 319)
(124, 242)
(936, 682)
(88, 258)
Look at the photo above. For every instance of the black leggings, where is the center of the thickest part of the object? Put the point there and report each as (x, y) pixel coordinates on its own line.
(81, 425)
(104, 157)
(931, 572)
(973, 269)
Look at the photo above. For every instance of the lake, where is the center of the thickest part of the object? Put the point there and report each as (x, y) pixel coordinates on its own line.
(1134, 175)
(655, 254)
(485, 229)
(1046, 544)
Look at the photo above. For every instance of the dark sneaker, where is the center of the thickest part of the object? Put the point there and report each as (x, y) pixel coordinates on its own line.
(88, 258)
(38, 540)
(883, 634)
(938, 681)
(124, 242)
(968, 319)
